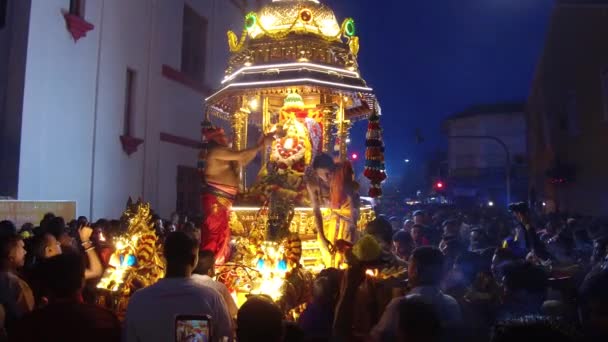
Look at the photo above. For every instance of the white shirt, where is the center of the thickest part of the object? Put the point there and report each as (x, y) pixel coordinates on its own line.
(152, 311)
(221, 288)
(446, 307)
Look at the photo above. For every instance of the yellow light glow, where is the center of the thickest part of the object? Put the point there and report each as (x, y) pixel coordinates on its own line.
(288, 145)
(291, 81)
(120, 245)
(254, 104)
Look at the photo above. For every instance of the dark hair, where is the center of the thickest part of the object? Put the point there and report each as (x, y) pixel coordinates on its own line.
(334, 279)
(46, 219)
(206, 261)
(323, 161)
(520, 207)
(418, 213)
(62, 275)
(525, 276)
(39, 244)
(380, 228)
(429, 265)
(179, 249)
(403, 237)
(7, 228)
(418, 320)
(259, 320)
(56, 226)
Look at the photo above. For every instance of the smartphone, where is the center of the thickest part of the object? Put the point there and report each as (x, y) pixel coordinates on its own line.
(192, 328)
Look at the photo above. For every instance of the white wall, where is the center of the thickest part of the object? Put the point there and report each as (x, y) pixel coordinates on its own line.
(177, 109)
(126, 32)
(74, 102)
(58, 107)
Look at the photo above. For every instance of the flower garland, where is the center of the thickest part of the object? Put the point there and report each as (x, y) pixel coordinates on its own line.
(374, 156)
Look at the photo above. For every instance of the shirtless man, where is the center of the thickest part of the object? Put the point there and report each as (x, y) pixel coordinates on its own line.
(343, 202)
(219, 167)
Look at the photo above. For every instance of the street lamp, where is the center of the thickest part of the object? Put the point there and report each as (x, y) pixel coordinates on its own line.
(407, 160)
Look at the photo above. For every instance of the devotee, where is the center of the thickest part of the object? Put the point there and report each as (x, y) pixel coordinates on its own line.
(259, 319)
(318, 316)
(403, 245)
(219, 166)
(425, 271)
(418, 321)
(451, 228)
(15, 294)
(407, 225)
(525, 290)
(344, 205)
(47, 246)
(203, 273)
(57, 227)
(152, 310)
(66, 317)
(417, 233)
(419, 217)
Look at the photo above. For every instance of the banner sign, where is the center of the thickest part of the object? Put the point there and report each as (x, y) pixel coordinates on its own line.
(20, 212)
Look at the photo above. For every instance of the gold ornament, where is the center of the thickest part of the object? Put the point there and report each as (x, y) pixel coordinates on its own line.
(234, 43)
(136, 261)
(353, 44)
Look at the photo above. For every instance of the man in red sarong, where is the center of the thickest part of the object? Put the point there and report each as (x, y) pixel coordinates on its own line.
(219, 167)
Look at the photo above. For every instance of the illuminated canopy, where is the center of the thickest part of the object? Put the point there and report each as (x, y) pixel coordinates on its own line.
(304, 16)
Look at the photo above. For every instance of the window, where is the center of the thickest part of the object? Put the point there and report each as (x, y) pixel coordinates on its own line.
(605, 92)
(77, 8)
(194, 41)
(129, 103)
(3, 13)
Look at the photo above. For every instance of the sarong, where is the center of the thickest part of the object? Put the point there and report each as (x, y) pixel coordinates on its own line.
(216, 201)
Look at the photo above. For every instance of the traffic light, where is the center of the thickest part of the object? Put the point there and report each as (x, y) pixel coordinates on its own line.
(439, 185)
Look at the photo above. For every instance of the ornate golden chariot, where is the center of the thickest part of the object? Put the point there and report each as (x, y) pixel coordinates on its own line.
(292, 70)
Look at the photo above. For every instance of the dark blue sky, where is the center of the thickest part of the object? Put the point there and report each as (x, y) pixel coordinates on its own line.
(428, 59)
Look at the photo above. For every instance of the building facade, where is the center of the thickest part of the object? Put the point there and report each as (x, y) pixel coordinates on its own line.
(101, 100)
(477, 159)
(567, 113)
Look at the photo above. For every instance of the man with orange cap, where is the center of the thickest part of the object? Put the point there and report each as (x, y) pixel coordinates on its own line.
(219, 168)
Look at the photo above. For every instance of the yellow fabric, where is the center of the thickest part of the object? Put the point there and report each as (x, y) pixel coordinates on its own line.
(336, 227)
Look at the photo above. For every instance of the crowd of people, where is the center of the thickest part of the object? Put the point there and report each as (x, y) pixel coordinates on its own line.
(473, 275)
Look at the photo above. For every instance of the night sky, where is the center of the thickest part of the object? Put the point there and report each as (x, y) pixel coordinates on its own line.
(429, 59)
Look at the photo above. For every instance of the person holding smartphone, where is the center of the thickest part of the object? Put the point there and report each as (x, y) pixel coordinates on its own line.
(177, 303)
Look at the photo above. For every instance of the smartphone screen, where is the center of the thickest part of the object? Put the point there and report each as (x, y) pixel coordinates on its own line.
(192, 328)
